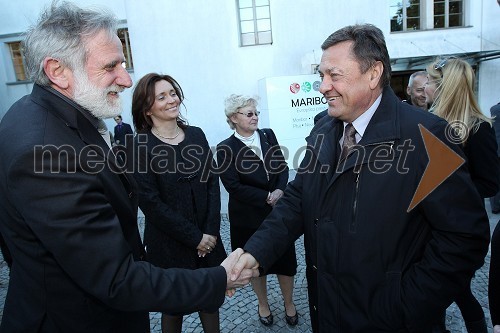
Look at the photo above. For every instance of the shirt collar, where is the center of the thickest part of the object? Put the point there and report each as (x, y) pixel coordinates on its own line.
(361, 123)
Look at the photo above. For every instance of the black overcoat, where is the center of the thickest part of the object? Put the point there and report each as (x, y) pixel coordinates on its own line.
(372, 264)
(69, 217)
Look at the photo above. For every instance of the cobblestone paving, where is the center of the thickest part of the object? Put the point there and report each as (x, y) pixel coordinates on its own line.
(239, 313)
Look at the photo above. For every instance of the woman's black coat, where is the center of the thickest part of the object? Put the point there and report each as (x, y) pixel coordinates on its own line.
(180, 198)
(243, 174)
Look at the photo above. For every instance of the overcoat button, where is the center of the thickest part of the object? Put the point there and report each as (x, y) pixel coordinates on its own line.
(130, 194)
(316, 222)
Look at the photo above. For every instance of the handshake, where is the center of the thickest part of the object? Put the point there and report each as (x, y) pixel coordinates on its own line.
(240, 268)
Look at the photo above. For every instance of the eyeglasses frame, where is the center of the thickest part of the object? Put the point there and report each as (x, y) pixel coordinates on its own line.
(249, 114)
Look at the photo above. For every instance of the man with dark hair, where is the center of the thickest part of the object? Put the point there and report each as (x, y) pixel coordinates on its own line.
(376, 261)
(121, 130)
(68, 212)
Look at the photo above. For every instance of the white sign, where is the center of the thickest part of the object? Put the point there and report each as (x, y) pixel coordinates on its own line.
(290, 103)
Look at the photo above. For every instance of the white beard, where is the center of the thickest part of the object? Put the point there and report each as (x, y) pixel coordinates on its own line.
(96, 99)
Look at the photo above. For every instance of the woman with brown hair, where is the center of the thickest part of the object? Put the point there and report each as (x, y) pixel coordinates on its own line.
(178, 190)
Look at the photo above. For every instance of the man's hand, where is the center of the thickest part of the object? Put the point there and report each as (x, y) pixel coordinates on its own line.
(243, 276)
(496, 329)
(274, 197)
(246, 261)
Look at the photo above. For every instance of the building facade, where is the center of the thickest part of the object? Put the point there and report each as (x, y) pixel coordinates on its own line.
(220, 47)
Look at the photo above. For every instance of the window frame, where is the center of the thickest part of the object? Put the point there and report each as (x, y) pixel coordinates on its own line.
(19, 75)
(427, 16)
(127, 48)
(245, 38)
(446, 14)
(405, 17)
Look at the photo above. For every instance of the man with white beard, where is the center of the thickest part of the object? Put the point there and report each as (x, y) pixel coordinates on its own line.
(68, 212)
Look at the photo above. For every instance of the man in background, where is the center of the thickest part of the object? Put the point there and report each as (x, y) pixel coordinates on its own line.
(121, 130)
(415, 90)
(495, 113)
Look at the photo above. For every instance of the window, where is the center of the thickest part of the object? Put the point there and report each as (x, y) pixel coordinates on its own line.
(410, 15)
(17, 56)
(448, 13)
(405, 15)
(255, 22)
(127, 51)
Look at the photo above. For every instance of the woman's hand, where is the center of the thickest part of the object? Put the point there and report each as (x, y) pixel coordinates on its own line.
(207, 244)
(274, 196)
(496, 329)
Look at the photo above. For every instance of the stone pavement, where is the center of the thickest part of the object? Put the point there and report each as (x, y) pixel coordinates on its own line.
(239, 313)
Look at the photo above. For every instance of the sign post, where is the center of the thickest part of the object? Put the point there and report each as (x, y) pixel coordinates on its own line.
(290, 104)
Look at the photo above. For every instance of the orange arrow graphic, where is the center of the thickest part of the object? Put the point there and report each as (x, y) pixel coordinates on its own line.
(443, 161)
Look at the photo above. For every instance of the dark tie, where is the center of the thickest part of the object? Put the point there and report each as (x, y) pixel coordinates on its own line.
(349, 141)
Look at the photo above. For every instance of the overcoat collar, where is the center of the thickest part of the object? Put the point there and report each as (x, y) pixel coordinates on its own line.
(81, 121)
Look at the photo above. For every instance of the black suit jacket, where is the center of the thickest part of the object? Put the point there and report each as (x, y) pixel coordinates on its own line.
(121, 132)
(243, 174)
(69, 218)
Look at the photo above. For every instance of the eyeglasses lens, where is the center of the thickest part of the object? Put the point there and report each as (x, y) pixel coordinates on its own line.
(250, 114)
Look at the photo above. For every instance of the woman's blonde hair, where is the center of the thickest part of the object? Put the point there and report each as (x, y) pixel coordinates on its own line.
(235, 102)
(455, 100)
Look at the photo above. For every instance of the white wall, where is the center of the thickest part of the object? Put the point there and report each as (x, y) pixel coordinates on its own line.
(199, 47)
(197, 43)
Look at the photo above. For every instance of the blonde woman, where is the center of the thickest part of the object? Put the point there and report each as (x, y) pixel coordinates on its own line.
(451, 83)
(255, 174)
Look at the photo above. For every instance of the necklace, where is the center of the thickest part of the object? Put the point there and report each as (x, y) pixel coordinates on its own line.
(248, 140)
(177, 132)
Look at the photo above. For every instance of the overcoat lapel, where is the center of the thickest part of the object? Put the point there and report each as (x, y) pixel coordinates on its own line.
(324, 143)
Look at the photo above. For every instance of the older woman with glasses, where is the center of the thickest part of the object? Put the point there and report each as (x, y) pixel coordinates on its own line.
(178, 188)
(452, 85)
(254, 172)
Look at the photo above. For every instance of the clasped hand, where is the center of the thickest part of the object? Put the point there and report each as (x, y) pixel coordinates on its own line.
(274, 196)
(240, 268)
(207, 244)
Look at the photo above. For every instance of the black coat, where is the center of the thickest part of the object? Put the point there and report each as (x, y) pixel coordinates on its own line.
(69, 217)
(180, 197)
(495, 112)
(480, 149)
(243, 174)
(372, 266)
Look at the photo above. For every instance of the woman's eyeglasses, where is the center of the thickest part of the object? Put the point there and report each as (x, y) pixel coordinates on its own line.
(249, 114)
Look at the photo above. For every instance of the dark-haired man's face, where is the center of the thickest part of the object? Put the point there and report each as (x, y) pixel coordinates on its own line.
(349, 92)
